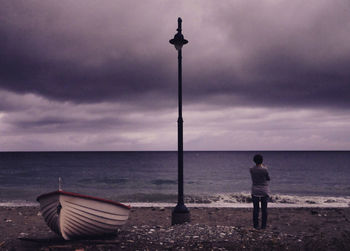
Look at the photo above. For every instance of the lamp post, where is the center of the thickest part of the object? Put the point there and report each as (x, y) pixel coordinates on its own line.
(180, 213)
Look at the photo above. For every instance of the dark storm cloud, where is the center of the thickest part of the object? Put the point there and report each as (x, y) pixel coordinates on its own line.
(65, 54)
(280, 53)
(265, 53)
(280, 81)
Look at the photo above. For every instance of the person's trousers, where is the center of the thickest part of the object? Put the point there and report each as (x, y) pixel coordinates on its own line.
(263, 200)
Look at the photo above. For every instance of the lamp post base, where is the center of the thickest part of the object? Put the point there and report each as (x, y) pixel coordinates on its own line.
(180, 215)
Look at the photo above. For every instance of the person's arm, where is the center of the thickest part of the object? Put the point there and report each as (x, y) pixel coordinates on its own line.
(267, 176)
(251, 173)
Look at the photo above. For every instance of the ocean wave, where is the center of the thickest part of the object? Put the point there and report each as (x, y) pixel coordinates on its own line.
(234, 200)
(240, 200)
(276, 199)
(164, 182)
(147, 197)
(18, 203)
(104, 181)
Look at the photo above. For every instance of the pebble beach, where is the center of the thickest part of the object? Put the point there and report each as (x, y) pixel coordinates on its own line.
(23, 228)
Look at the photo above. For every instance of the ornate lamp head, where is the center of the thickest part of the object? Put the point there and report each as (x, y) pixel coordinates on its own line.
(178, 41)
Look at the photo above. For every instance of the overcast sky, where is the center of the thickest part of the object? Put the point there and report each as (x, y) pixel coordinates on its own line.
(101, 75)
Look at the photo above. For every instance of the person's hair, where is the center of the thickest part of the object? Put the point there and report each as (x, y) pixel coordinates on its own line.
(258, 159)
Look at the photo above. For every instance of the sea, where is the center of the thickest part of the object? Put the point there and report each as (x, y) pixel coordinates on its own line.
(148, 179)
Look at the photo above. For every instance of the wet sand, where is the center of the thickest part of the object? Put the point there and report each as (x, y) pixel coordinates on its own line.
(22, 228)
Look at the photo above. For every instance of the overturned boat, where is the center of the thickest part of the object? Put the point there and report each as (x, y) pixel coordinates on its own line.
(73, 215)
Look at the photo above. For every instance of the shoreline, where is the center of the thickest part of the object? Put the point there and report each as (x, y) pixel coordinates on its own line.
(198, 205)
(221, 200)
(23, 228)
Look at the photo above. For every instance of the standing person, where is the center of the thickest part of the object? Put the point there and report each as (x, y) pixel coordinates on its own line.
(260, 190)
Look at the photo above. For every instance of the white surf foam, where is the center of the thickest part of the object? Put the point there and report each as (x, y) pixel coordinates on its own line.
(243, 200)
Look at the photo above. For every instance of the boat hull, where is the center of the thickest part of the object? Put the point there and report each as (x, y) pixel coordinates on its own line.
(74, 215)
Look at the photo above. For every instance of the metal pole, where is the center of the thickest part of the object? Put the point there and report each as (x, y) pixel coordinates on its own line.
(180, 136)
(180, 213)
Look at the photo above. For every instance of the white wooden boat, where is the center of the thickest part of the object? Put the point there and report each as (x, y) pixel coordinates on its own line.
(73, 215)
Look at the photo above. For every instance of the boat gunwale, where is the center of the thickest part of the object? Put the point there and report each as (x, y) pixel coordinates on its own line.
(60, 192)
